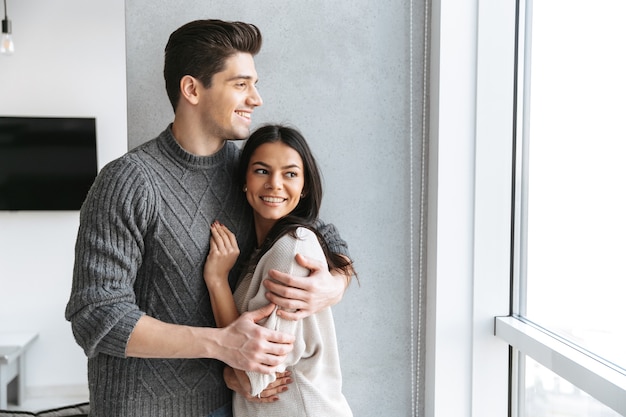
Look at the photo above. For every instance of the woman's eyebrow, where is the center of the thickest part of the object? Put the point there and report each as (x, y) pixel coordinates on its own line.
(263, 164)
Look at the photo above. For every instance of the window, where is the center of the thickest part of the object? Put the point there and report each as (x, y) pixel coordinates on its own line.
(566, 325)
(576, 239)
(478, 75)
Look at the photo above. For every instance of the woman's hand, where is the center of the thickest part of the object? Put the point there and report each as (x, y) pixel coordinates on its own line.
(238, 381)
(223, 254)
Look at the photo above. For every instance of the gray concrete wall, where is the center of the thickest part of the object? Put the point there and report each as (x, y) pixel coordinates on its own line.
(350, 76)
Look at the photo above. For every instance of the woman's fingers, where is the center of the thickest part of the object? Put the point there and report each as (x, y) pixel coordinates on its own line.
(223, 238)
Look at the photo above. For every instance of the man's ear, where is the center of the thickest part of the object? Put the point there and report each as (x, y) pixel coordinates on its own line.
(189, 89)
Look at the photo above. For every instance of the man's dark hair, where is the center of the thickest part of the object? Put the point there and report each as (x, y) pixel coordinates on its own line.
(200, 49)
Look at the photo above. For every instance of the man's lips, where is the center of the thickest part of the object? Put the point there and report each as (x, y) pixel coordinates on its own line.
(244, 114)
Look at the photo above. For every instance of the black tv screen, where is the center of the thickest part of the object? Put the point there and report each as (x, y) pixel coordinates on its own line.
(46, 163)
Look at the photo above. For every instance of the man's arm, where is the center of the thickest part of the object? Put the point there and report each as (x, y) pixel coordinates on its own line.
(301, 297)
(243, 344)
(102, 307)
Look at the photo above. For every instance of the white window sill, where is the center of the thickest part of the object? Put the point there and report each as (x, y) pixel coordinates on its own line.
(601, 380)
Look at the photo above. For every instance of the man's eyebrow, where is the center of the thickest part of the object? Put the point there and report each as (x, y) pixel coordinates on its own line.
(243, 77)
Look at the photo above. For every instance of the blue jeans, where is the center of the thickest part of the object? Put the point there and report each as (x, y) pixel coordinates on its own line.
(225, 411)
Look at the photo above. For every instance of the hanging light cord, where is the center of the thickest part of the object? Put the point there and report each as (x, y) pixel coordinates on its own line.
(6, 23)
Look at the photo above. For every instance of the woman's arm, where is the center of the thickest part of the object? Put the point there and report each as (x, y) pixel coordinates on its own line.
(223, 254)
(280, 257)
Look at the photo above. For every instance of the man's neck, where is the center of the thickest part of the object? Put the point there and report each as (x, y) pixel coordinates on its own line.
(195, 141)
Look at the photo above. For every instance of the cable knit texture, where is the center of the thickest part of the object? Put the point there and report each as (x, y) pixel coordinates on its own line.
(314, 361)
(141, 246)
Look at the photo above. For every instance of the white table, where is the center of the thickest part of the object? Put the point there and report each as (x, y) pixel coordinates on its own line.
(12, 364)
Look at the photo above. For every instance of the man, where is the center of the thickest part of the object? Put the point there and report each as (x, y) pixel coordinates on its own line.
(139, 306)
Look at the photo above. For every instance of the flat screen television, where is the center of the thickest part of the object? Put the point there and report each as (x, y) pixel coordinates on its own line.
(46, 163)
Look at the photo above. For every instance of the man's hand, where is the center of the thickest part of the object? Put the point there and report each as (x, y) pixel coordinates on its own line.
(300, 297)
(238, 381)
(251, 347)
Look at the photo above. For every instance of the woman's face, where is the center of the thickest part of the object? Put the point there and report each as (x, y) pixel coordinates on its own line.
(274, 182)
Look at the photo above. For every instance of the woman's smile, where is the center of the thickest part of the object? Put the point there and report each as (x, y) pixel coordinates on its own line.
(274, 183)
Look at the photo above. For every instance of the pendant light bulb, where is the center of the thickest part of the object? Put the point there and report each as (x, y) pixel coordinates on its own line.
(6, 42)
(7, 47)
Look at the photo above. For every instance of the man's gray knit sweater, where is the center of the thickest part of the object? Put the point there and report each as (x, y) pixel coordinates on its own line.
(141, 246)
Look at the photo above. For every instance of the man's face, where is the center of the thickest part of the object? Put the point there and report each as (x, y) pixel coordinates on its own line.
(228, 104)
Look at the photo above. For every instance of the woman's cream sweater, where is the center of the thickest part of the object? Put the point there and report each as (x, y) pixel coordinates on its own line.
(314, 361)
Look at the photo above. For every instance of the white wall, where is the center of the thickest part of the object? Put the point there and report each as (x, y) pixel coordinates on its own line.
(69, 61)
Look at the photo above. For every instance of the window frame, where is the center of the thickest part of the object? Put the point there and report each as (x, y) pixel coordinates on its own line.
(598, 378)
(472, 359)
(469, 207)
(603, 381)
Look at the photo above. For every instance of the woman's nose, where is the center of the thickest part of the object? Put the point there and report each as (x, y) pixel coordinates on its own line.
(273, 182)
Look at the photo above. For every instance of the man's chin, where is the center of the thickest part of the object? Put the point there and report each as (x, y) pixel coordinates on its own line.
(241, 136)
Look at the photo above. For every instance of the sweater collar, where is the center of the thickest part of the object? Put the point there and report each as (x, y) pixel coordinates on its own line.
(177, 152)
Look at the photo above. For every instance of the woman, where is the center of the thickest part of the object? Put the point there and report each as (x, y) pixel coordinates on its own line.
(283, 187)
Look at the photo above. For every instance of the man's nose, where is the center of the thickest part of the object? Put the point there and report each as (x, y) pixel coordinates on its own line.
(255, 98)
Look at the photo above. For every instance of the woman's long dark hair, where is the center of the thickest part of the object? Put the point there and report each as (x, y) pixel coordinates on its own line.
(307, 211)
